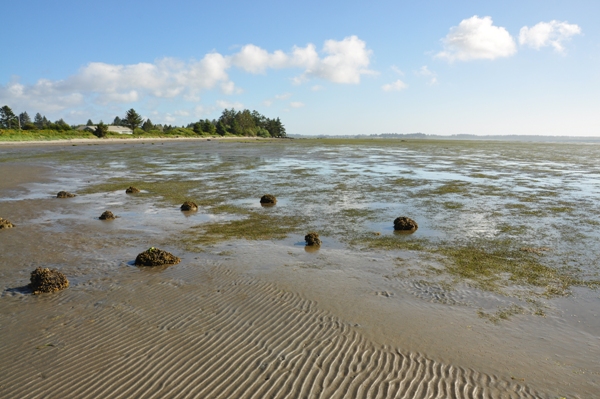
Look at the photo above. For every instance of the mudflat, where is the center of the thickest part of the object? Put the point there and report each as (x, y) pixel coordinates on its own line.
(493, 296)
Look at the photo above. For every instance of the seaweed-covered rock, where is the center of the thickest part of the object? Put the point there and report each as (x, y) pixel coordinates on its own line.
(189, 206)
(107, 215)
(156, 257)
(312, 239)
(64, 194)
(405, 224)
(268, 199)
(47, 280)
(5, 224)
(132, 190)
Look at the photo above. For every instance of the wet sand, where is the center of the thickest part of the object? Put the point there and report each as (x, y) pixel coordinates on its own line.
(245, 319)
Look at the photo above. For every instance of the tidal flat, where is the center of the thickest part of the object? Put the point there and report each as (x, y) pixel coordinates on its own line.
(494, 295)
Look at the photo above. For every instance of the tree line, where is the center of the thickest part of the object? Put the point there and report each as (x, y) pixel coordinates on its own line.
(231, 122)
(8, 120)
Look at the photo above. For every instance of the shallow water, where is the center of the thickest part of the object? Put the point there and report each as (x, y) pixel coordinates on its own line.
(460, 193)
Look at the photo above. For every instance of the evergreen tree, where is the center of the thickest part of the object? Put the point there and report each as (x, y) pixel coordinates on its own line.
(117, 121)
(246, 122)
(8, 119)
(197, 127)
(208, 127)
(89, 123)
(236, 128)
(38, 121)
(101, 130)
(132, 119)
(275, 128)
(221, 129)
(24, 118)
(147, 126)
(62, 125)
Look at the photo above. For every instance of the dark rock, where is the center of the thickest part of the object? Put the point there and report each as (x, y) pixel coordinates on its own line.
(5, 224)
(312, 239)
(405, 224)
(268, 199)
(189, 206)
(64, 194)
(107, 215)
(132, 190)
(47, 280)
(156, 257)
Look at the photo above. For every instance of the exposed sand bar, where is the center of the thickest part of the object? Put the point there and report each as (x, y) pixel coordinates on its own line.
(241, 320)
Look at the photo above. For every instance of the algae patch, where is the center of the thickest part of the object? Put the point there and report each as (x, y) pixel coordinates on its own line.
(254, 226)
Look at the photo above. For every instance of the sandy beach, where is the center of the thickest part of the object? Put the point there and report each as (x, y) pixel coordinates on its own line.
(257, 318)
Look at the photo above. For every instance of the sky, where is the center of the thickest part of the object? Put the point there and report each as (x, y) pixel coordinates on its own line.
(326, 67)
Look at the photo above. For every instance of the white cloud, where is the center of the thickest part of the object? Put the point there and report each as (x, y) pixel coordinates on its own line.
(267, 103)
(477, 38)
(544, 34)
(317, 88)
(108, 83)
(296, 104)
(426, 73)
(343, 61)
(395, 86)
(346, 61)
(254, 59)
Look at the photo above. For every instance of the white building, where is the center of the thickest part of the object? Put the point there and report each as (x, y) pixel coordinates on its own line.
(111, 128)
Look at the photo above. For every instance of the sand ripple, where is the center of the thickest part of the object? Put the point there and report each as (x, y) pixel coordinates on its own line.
(206, 332)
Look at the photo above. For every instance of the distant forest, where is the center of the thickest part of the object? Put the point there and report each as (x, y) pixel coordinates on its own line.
(230, 123)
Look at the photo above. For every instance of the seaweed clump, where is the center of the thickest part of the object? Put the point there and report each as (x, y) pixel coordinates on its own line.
(107, 215)
(268, 199)
(189, 206)
(132, 190)
(156, 257)
(47, 280)
(312, 239)
(65, 194)
(5, 224)
(403, 223)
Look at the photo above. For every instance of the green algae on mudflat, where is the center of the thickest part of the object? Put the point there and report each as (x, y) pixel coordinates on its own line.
(253, 226)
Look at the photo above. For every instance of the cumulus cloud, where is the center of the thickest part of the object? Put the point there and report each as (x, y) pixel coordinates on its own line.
(296, 104)
(477, 38)
(544, 34)
(254, 59)
(343, 61)
(340, 61)
(395, 86)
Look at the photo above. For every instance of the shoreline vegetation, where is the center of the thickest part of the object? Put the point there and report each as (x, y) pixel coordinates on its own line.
(231, 123)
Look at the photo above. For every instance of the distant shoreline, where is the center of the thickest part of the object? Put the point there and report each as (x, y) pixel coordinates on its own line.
(130, 140)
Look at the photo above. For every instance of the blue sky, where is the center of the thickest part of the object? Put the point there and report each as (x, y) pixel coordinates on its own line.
(337, 67)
